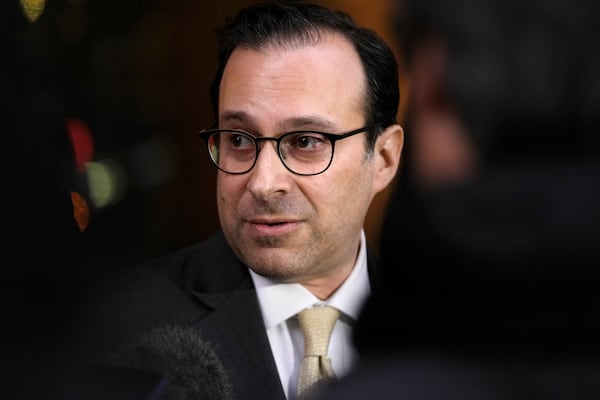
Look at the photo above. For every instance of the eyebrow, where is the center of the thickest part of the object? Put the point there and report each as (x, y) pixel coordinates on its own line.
(295, 123)
(311, 121)
(236, 116)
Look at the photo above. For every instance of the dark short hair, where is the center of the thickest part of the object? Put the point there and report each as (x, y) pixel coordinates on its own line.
(297, 24)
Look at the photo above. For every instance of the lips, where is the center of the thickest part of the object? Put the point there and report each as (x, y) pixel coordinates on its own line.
(269, 221)
(272, 226)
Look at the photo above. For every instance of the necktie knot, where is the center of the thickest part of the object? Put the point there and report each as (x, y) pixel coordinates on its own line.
(317, 324)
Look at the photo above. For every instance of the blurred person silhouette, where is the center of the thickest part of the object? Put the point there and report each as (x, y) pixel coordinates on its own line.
(46, 247)
(294, 82)
(491, 244)
(41, 234)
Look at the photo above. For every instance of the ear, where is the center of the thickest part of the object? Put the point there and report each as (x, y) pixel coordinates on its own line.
(388, 149)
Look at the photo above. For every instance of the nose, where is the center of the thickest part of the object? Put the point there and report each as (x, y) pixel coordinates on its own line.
(269, 176)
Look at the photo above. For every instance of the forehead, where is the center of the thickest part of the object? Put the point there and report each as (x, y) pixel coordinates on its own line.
(324, 80)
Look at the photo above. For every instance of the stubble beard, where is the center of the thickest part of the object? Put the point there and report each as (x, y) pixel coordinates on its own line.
(269, 257)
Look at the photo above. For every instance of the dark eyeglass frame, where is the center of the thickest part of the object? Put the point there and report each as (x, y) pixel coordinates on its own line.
(332, 137)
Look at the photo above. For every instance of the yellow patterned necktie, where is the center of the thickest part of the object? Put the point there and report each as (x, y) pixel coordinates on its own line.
(317, 324)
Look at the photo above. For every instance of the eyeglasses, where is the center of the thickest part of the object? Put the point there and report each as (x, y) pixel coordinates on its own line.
(301, 152)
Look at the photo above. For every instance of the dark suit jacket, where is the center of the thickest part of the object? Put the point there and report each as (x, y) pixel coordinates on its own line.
(204, 286)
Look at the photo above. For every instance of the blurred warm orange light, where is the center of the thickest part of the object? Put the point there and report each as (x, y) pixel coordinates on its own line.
(81, 211)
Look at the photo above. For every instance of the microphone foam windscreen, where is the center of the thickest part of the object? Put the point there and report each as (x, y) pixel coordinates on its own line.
(188, 363)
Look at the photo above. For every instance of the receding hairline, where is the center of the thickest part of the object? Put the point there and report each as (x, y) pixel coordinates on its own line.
(321, 35)
(297, 39)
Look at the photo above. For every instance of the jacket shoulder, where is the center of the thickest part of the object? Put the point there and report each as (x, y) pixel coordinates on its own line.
(151, 294)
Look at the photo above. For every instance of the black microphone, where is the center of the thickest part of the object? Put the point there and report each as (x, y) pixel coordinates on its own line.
(189, 365)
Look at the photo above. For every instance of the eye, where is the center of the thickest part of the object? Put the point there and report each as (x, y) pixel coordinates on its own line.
(307, 141)
(240, 141)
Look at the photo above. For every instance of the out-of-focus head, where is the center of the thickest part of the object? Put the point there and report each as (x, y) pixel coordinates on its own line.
(522, 75)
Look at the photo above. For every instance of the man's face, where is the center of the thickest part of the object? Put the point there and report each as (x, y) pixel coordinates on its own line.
(296, 228)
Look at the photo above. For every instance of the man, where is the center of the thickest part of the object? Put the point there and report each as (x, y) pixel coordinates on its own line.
(295, 82)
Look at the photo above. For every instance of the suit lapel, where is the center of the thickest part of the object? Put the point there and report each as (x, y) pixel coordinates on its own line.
(237, 330)
(231, 320)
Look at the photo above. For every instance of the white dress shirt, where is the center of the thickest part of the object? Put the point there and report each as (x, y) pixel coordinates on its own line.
(280, 302)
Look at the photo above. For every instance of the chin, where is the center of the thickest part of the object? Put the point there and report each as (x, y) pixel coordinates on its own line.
(273, 264)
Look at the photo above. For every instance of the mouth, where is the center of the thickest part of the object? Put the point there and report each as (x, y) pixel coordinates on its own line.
(274, 224)
(272, 227)
(270, 221)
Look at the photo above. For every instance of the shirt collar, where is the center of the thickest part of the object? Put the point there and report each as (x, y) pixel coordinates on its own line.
(348, 298)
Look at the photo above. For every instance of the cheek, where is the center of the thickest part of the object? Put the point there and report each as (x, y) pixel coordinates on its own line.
(226, 192)
(350, 191)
